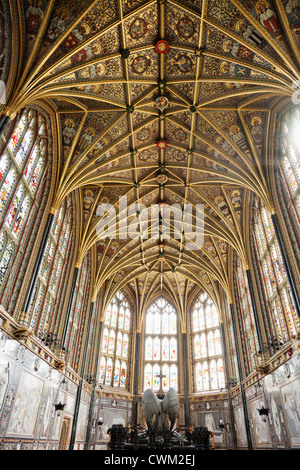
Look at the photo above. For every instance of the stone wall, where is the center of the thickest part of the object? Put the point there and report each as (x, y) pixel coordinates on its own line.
(279, 393)
(29, 390)
(111, 408)
(30, 386)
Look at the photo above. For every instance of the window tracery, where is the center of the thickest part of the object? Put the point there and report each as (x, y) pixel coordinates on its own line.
(245, 317)
(206, 342)
(44, 316)
(287, 172)
(78, 311)
(161, 346)
(281, 319)
(23, 166)
(115, 344)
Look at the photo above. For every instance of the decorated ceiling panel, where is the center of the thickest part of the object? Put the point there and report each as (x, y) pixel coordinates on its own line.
(163, 102)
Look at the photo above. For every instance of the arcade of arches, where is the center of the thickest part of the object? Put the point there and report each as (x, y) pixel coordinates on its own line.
(162, 104)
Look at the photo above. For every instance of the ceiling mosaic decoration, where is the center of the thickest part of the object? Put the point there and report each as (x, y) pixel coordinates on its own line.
(164, 102)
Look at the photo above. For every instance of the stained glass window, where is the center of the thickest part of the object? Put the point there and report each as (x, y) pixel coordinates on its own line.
(161, 346)
(45, 303)
(76, 328)
(246, 317)
(123, 374)
(108, 375)
(117, 373)
(102, 369)
(289, 150)
(6, 188)
(287, 172)
(5, 257)
(115, 343)
(23, 166)
(207, 350)
(281, 320)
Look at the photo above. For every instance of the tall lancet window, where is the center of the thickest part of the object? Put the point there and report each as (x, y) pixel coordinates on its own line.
(290, 154)
(23, 186)
(245, 316)
(280, 319)
(287, 173)
(161, 346)
(45, 309)
(115, 344)
(76, 328)
(207, 348)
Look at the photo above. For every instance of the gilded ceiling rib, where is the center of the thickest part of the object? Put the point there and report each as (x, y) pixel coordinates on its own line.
(185, 180)
(195, 261)
(254, 183)
(72, 148)
(287, 28)
(41, 32)
(244, 63)
(193, 123)
(190, 262)
(72, 179)
(93, 236)
(62, 38)
(265, 34)
(84, 231)
(251, 47)
(248, 180)
(92, 162)
(268, 201)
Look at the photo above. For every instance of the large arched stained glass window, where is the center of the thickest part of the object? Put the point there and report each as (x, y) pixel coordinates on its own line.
(287, 172)
(245, 317)
(161, 347)
(23, 171)
(115, 344)
(45, 313)
(207, 349)
(76, 328)
(281, 319)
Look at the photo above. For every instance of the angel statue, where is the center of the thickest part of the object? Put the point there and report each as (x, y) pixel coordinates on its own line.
(160, 409)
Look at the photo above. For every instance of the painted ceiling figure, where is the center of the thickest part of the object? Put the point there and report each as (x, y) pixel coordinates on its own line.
(87, 53)
(267, 16)
(58, 24)
(162, 102)
(236, 49)
(69, 131)
(249, 33)
(34, 15)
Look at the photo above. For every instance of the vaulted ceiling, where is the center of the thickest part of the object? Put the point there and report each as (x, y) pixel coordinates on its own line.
(164, 102)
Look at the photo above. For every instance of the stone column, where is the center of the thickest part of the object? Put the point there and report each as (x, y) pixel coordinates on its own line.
(245, 409)
(234, 439)
(136, 379)
(79, 390)
(90, 420)
(185, 381)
